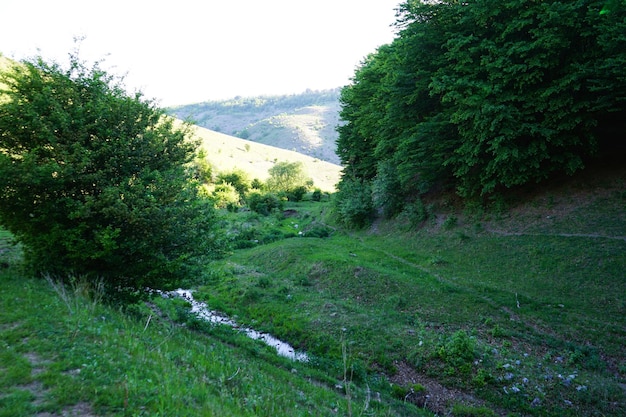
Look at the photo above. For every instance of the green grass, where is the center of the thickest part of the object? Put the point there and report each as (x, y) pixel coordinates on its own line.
(511, 313)
(526, 323)
(62, 351)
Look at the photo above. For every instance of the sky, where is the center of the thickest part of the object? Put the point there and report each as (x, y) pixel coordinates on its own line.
(189, 51)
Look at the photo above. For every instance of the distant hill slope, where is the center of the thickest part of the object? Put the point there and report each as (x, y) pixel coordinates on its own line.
(226, 153)
(304, 123)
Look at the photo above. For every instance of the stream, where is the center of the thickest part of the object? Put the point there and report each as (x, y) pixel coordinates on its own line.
(215, 317)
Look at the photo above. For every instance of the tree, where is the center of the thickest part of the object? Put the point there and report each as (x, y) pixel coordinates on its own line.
(286, 176)
(93, 181)
(352, 202)
(484, 96)
(238, 178)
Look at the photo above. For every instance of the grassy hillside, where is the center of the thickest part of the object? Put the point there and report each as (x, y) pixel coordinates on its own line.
(227, 153)
(513, 312)
(62, 352)
(304, 123)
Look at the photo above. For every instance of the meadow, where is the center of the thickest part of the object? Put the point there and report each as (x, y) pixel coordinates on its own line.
(511, 311)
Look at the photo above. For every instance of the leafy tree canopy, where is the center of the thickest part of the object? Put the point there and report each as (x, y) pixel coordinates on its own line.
(93, 181)
(286, 176)
(486, 95)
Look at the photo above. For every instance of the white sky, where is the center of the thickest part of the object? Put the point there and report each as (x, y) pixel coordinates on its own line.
(187, 51)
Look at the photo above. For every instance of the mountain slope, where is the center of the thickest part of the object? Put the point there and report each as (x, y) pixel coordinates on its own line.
(304, 123)
(226, 153)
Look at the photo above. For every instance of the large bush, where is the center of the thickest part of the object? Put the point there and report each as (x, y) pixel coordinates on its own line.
(264, 203)
(353, 202)
(93, 180)
(238, 178)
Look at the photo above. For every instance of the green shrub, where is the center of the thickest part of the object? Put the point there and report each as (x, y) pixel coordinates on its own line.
(225, 196)
(415, 213)
(353, 202)
(257, 184)
(201, 169)
(459, 351)
(386, 190)
(450, 223)
(238, 179)
(96, 182)
(316, 195)
(287, 176)
(317, 230)
(264, 203)
(296, 193)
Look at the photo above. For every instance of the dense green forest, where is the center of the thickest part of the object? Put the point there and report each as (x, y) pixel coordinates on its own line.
(481, 97)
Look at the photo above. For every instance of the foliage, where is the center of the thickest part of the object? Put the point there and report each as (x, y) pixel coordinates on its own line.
(287, 176)
(263, 203)
(458, 352)
(256, 184)
(201, 169)
(316, 195)
(485, 96)
(93, 181)
(385, 189)
(297, 193)
(415, 213)
(353, 202)
(238, 179)
(225, 195)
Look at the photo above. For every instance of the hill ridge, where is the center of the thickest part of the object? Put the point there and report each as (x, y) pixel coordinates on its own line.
(227, 153)
(305, 122)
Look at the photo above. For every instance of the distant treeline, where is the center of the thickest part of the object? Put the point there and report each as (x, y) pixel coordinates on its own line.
(480, 97)
(261, 103)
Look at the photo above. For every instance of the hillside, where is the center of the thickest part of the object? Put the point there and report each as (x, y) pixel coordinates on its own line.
(512, 312)
(304, 123)
(226, 153)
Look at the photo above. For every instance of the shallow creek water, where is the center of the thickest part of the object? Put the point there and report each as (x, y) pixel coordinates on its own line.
(215, 317)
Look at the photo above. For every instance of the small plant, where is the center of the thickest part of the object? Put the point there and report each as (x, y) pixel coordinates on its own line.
(316, 195)
(459, 352)
(462, 410)
(399, 391)
(450, 223)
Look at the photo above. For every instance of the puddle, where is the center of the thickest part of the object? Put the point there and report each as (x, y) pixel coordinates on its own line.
(215, 317)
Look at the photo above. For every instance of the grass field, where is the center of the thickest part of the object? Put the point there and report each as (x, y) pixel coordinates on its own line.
(511, 312)
(521, 313)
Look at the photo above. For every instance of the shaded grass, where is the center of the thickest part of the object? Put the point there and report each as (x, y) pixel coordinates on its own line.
(507, 318)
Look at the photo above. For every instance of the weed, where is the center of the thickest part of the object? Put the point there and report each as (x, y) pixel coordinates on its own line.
(459, 352)
(462, 410)
(450, 223)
